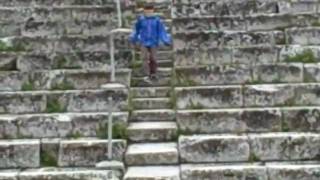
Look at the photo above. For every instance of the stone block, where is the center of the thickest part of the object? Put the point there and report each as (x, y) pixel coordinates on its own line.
(213, 148)
(226, 172)
(229, 121)
(285, 146)
(213, 75)
(303, 36)
(19, 154)
(88, 152)
(301, 119)
(209, 97)
(278, 73)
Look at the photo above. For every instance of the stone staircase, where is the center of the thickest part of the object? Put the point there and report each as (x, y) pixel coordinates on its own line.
(152, 131)
(238, 95)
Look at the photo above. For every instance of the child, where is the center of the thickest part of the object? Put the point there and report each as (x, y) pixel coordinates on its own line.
(149, 32)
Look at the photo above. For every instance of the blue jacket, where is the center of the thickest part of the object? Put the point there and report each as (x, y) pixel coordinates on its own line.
(149, 31)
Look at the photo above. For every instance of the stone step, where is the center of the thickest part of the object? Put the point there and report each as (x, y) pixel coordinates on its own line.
(153, 115)
(212, 39)
(96, 60)
(60, 79)
(51, 28)
(262, 22)
(63, 101)
(162, 72)
(66, 125)
(249, 55)
(30, 153)
(160, 82)
(23, 3)
(259, 120)
(152, 131)
(246, 74)
(249, 147)
(151, 103)
(165, 63)
(150, 92)
(152, 154)
(87, 152)
(57, 13)
(275, 171)
(272, 95)
(153, 173)
(61, 173)
(64, 43)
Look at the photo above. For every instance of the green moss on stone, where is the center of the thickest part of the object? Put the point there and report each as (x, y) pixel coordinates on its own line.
(63, 86)
(307, 56)
(254, 158)
(54, 106)
(119, 131)
(27, 87)
(75, 135)
(48, 160)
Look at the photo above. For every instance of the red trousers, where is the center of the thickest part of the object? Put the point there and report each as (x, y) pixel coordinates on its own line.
(149, 60)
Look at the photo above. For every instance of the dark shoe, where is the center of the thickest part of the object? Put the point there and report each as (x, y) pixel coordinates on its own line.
(154, 77)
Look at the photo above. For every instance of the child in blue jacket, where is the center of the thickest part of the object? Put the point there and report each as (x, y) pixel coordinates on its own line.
(148, 33)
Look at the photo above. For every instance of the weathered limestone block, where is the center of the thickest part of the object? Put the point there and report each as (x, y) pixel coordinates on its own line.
(212, 56)
(88, 100)
(285, 146)
(44, 126)
(63, 101)
(80, 13)
(8, 127)
(312, 72)
(298, 6)
(208, 40)
(88, 152)
(73, 60)
(12, 80)
(54, 2)
(213, 75)
(287, 52)
(19, 154)
(76, 79)
(42, 44)
(255, 55)
(294, 172)
(9, 175)
(208, 24)
(51, 28)
(231, 172)
(69, 174)
(303, 36)
(223, 7)
(8, 62)
(10, 29)
(307, 94)
(209, 97)
(280, 21)
(278, 73)
(281, 95)
(209, 148)
(22, 102)
(229, 121)
(301, 119)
